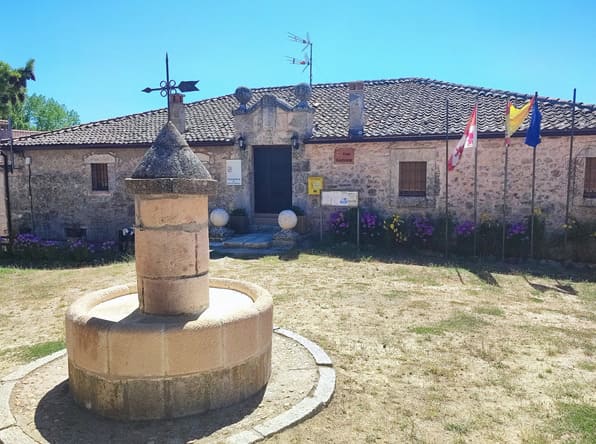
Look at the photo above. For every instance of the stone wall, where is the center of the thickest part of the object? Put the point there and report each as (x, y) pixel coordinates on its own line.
(374, 174)
(54, 193)
(62, 197)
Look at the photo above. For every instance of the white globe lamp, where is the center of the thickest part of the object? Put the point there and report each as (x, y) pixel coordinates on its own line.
(219, 217)
(287, 219)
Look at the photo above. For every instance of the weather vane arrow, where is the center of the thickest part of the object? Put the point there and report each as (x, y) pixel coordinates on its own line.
(188, 86)
(166, 87)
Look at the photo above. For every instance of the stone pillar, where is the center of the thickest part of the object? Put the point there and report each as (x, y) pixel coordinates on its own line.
(172, 251)
(171, 227)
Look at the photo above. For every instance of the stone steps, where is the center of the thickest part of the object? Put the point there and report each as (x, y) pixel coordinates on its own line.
(246, 246)
(252, 240)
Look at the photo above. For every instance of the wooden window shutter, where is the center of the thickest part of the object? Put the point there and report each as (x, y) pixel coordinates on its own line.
(412, 179)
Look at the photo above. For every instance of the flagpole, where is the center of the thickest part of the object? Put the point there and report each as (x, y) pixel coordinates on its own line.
(569, 169)
(505, 190)
(533, 193)
(446, 177)
(476, 184)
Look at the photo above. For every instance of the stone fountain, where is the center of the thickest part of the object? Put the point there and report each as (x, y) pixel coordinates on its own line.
(177, 343)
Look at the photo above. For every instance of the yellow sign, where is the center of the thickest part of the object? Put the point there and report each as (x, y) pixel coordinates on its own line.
(315, 185)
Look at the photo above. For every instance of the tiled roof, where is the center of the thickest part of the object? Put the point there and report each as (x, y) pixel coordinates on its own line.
(409, 107)
(16, 133)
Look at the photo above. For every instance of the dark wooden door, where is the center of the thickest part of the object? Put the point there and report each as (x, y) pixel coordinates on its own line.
(273, 179)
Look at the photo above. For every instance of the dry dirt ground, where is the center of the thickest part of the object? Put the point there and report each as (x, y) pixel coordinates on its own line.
(423, 353)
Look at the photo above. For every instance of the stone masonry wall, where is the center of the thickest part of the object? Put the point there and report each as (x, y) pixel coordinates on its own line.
(62, 197)
(375, 175)
(59, 195)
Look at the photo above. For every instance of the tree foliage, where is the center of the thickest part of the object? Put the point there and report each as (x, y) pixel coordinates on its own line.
(13, 86)
(44, 114)
(34, 112)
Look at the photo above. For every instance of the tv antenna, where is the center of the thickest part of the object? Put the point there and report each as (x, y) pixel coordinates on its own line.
(306, 60)
(167, 86)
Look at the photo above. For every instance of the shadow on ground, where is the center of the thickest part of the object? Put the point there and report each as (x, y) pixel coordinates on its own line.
(483, 268)
(59, 420)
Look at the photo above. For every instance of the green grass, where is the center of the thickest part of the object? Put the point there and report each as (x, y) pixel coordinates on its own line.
(393, 294)
(489, 310)
(426, 330)
(587, 365)
(458, 322)
(462, 429)
(36, 351)
(5, 271)
(579, 419)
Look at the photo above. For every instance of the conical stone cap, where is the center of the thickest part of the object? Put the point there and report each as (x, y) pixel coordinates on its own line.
(170, 166)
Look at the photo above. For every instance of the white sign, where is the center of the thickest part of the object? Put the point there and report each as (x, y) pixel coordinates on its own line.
(339, 198)
(234, 172)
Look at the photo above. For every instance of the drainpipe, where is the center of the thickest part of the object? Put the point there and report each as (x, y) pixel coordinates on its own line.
(7, 196)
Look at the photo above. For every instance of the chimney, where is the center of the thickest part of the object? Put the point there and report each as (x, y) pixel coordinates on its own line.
(356, 115)
(177, 114)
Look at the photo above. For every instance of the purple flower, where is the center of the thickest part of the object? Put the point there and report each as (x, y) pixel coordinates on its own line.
(465, 229)
(516, 229)
(423, 228)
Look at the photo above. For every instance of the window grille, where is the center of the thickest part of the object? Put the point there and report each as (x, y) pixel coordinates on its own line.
(590, 177)
(99, 177)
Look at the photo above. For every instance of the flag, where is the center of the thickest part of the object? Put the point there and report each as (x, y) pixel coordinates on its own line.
(514, 117)
(533, 134)
(468, 140)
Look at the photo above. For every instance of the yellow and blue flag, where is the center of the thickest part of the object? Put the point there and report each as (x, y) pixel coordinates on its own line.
(533, 134)
(514, 118)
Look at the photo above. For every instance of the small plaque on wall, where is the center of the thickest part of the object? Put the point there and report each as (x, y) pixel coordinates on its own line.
(344, 155)
(234, 172)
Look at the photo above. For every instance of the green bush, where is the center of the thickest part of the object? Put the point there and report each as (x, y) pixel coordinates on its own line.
(395, 229)
(490, 237)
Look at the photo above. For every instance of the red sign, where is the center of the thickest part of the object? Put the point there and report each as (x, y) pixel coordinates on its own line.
(344, 155)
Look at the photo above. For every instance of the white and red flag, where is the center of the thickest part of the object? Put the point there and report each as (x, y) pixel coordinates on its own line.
(468, 140)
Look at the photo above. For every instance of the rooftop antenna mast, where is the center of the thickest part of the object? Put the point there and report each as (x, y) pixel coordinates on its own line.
(306, 59)
(167, 86)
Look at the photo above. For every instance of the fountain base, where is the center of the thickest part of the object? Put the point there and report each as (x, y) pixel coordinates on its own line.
(128, 365)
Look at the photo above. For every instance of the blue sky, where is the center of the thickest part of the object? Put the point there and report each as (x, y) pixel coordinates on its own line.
(95, 57)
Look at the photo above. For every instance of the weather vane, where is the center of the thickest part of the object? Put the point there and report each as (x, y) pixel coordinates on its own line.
(306, 60)
(167, 86)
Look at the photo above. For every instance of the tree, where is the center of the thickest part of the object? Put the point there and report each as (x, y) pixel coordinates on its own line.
(13, 86)
(44, 114)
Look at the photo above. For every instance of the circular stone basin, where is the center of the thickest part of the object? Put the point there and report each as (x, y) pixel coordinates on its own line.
(125, 364)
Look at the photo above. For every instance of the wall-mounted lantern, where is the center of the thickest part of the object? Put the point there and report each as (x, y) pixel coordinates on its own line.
(295, 141)
(241, 142)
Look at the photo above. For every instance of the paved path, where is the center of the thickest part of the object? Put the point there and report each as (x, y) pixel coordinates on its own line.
(36, 407)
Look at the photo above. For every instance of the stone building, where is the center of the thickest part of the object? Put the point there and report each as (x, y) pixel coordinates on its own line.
(384, 139)
(5, 163)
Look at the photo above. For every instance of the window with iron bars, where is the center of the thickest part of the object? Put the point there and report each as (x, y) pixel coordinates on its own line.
(590, 178)
(99, 177)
